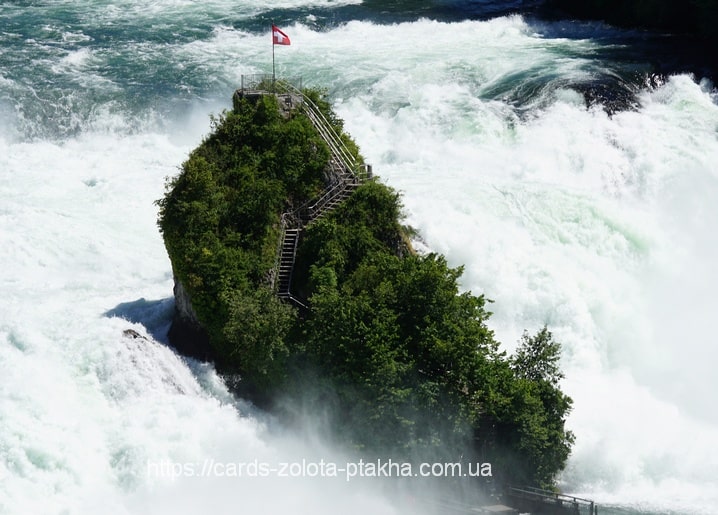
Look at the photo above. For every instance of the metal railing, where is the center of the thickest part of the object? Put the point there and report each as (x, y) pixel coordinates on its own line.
(336, 145)
(265, 82)
(351, 171)
(567, 503)
(331, 194)
(274, 274)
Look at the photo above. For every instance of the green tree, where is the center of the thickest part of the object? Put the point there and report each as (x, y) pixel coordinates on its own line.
(543, 439)
(537, 358)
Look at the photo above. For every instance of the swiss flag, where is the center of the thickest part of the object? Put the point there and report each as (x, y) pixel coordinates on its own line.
(279, 37)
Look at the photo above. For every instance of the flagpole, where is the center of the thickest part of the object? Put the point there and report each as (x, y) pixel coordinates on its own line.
(274, 77)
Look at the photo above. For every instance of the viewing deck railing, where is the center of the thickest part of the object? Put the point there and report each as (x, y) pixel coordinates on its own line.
(265, 82)
(534, 499)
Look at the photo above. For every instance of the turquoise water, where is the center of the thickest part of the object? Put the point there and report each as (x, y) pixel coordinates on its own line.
(505, 136)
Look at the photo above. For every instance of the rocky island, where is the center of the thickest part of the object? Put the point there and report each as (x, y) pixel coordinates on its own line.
(373, 335)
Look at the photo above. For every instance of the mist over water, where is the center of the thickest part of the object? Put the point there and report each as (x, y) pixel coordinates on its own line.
(596, 223)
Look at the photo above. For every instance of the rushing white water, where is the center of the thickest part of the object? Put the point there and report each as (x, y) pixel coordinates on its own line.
(87, 412)
(597, 225)
(600, 227)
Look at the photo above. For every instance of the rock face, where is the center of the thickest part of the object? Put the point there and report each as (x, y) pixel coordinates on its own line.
(186, 333)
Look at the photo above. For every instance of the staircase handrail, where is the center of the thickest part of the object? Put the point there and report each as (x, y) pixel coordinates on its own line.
(351, 173)
(328, 133)
(330, 137)
(277, 261)
(537, 494)
(331, 194)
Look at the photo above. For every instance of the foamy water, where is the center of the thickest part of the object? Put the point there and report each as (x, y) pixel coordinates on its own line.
(597, 225)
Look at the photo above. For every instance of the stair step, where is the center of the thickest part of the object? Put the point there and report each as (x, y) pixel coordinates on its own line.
(335, 195)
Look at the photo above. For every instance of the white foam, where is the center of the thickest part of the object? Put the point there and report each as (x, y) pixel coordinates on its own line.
(86, 411)
(178, 10)
(598, 226)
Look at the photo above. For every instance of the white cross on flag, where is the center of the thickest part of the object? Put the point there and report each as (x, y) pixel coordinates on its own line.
(279, 37)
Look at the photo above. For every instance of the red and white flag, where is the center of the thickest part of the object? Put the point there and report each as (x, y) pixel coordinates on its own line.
(279, 37)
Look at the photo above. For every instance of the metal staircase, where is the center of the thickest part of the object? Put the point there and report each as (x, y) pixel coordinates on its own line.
(287, 256)
(344, 167)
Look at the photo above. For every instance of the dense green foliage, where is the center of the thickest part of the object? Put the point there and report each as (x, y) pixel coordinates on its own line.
(399, 359)
(530, 431)
(220, 218)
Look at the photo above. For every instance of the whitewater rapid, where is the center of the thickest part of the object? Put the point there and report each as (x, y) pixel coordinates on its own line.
(86, 411)
(597, 225)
